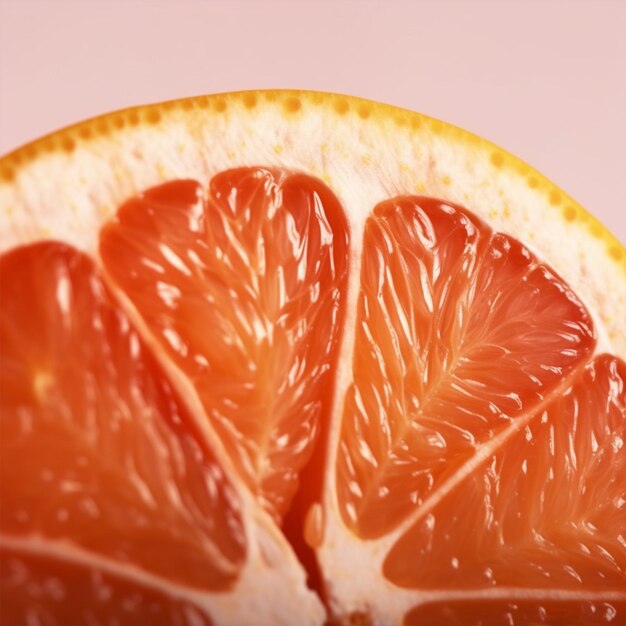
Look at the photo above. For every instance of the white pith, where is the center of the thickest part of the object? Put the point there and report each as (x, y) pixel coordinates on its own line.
(68, 196)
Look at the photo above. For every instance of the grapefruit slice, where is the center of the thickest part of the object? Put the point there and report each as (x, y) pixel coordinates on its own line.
(254, 328)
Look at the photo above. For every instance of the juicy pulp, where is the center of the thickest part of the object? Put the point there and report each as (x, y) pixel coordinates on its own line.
(475, 395)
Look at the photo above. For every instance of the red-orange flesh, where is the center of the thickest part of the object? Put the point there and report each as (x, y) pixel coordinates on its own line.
(55, 592)
(476, 406)
(243, 284)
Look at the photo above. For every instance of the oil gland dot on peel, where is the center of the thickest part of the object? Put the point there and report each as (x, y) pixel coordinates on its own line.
(342, 106)
(364, 111)
(314, 526)
(555, 198)
(68, 144)
(569, 213)
(7, 173)
(497, 159)
(249, 100)
(292, 104)
(153, 116)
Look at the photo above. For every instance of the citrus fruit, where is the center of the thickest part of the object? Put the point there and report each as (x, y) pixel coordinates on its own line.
(299, 358)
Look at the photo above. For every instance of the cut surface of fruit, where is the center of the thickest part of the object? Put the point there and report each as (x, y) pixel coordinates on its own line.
(497, 612)
(244, 289)
(106, 471)
(416, 367)
(55, 592)
(99, 449)
(547, 509)
(459, 331)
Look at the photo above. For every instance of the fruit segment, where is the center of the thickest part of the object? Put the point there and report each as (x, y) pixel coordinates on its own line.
(497, 612)
(55, 592)
(460, 331)
(548, 509)
(243, 286)
(98, 453)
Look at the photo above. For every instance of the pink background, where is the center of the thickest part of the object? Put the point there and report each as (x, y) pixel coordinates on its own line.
(544, 79)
